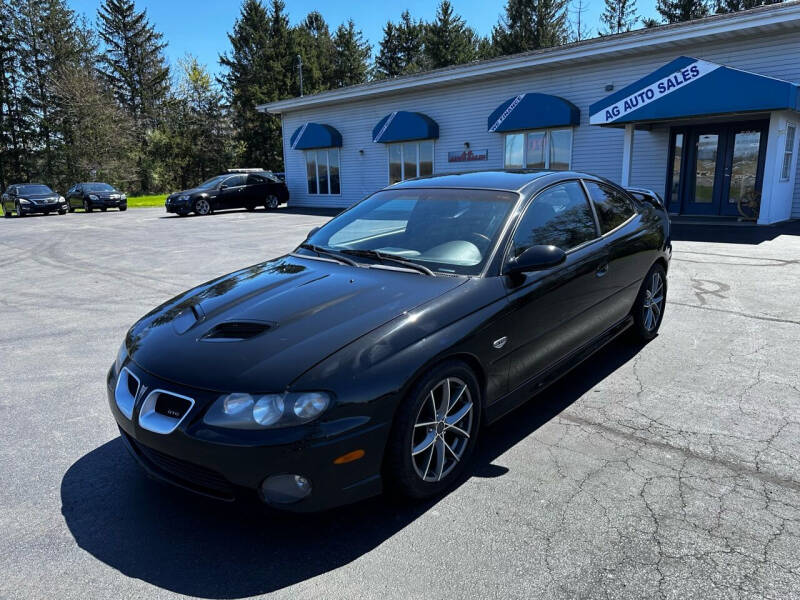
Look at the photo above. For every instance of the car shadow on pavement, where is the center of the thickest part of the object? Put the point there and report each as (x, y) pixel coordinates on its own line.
(199, 547)
(732, 233)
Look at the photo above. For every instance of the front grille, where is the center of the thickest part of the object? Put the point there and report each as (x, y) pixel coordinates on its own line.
(186, 473)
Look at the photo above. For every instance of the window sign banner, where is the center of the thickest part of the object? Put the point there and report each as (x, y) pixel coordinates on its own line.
(655, 91)
(467, 156)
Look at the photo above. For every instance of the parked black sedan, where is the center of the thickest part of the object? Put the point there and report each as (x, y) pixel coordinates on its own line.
(249, 189)
(371, 357)
(91, 195)
(29, 198)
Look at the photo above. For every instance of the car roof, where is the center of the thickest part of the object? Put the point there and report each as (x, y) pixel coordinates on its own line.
(512, 180)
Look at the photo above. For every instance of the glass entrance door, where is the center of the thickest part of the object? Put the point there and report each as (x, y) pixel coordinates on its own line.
(714, 168)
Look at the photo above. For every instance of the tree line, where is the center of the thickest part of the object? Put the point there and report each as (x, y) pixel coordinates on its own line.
(96, 99)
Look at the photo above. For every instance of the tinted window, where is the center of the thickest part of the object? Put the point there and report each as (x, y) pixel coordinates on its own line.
(98, 187)
(34, 189)
(235, 181)
(559, 216)
(613, 208)
(255, 180)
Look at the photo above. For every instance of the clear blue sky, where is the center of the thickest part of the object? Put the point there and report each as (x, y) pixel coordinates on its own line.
(199, 27)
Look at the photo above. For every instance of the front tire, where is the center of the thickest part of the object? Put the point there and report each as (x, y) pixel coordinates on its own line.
(648, 310)
(20, 214)
(123, 208)
(434, 432)
(63, 211)
(87, 207)
(202, 207)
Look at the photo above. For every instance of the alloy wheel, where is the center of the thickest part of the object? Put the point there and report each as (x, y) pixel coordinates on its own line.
(202, 207)
(272, 202)
(653, 301)
(442, 429)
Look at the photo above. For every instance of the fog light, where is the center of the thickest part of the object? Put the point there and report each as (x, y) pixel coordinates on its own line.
(285, 489)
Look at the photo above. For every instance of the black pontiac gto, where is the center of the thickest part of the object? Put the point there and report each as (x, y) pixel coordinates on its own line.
(371, 357)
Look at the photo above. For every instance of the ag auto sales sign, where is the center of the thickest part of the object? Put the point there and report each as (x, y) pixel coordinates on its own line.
(655, 91)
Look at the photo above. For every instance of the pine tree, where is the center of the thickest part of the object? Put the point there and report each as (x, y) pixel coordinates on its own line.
(530, 25)
(401, 49)
(13, 125)
(351, 56)
(388, 62)
(448, 40)
(133, 62)
(314, 44)
(618, 16)
(729, 6)
(677, 11)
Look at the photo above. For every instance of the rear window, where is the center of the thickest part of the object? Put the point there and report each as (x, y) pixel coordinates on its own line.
(613, 207)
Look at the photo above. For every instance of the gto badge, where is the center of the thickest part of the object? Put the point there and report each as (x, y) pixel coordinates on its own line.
(500, 342)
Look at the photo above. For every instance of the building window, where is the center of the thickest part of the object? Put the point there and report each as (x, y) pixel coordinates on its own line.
(787, 152)
(322, 171)
(409, 160)
(545, 149)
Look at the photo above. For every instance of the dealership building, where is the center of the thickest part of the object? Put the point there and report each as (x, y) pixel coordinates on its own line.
(706, 113)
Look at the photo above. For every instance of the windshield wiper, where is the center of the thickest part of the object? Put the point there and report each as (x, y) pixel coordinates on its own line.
(325, 252)
(391, 258)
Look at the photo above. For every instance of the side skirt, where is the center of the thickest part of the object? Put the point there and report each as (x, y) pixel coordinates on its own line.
(541, 381)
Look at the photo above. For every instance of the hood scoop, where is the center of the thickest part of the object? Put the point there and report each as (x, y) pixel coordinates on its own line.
(236, 331)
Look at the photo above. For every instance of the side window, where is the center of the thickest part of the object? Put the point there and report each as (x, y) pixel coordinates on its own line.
(613, 208)
(255, 180)
(559, 216)
(235, 181)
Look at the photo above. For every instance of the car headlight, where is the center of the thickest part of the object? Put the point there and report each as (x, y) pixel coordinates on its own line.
(93, 197)
(122, 354)
(24, 201)
(61, 199)
(123, 197)
(246, 411)
(183, 197)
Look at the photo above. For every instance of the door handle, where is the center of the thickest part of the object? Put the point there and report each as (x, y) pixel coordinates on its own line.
(602, 270)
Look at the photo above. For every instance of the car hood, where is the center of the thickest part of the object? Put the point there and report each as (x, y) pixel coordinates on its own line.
(40, 196)
(191, 191)
(277, 319)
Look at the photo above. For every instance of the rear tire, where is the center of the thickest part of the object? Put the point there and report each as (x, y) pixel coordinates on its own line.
(271, 202)
(6, 213)
(71, 208)
(87, 207)
(648, 310)
(434, 432)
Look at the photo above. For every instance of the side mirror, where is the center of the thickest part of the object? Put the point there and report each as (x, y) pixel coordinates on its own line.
(223, 186)
(536, 258)
(312, 232)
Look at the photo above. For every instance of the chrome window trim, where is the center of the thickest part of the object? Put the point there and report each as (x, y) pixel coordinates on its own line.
(126, 410)
(157, 423)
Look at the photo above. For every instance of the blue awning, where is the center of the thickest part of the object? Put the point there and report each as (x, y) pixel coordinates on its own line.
(315, 135)
(401, 126)
(533, 111)
(689, 87)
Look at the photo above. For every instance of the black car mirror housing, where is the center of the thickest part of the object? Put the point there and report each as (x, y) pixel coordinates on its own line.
(312, 232)
(536, 258)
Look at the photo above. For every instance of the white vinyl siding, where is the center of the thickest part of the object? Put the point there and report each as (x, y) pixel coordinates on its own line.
(461, 109)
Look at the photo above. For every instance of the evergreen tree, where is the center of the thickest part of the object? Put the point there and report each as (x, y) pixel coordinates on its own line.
(448, 40)
(13, 126)
(530, 25)
(729, 6)
(618, 16)
(401, 49)
(260, 68)
(677, 11)
(351, 56)
(314, 44)
(133, 62)
(388, 62)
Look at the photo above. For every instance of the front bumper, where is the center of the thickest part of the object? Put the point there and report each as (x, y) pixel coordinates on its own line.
(108, 203)
(178, 206)
(231, 464)
(45, 208)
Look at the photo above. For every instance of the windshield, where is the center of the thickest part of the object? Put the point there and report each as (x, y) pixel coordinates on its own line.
(98, 187)
(34, 189)
(446, 230)
(211, 183)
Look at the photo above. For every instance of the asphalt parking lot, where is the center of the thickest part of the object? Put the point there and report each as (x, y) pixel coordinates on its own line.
(668, 471)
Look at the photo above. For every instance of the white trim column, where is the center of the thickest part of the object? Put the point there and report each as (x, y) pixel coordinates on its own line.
(776, 193)
(627, 155)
